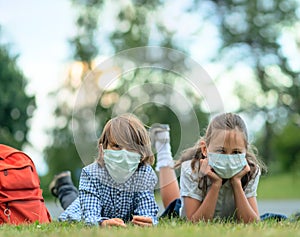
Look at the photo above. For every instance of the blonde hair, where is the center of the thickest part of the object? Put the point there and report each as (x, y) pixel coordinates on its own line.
(128, 132)
(226, 121)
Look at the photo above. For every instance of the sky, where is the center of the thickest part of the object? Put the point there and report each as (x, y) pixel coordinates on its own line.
(39, 31)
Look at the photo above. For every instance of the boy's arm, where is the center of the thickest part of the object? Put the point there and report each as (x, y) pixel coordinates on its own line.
(146, 209)
(90, 201)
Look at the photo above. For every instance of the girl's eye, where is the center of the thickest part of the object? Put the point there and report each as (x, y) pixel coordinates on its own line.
(237, 152)
(220, 152)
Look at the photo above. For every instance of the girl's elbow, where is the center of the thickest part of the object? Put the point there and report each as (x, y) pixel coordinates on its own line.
(195, 220)
(191, 218)
(251, 219)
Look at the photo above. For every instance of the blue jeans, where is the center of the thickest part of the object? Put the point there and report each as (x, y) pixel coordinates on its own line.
(66, 192)
(172, 210)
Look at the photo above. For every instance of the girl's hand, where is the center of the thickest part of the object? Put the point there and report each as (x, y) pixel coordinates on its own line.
(113, 222)
(240, 175)
(205, 169)
(142, 221)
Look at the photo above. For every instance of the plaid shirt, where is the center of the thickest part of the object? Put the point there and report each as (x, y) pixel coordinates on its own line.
(101, 198)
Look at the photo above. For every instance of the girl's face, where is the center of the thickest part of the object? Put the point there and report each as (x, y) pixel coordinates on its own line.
(226, 142)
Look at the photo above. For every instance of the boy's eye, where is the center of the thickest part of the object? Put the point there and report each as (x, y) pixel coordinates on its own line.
(116, 146)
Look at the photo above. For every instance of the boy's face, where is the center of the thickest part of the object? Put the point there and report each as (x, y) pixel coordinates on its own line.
(115, 147)
(227, 142)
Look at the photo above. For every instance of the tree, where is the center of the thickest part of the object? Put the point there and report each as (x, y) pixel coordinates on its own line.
(132, 29)
(286, 144)
(16, 107)
(252, 34)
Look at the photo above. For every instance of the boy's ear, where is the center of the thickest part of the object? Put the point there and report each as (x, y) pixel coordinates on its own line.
(203, 148)
(101, 150)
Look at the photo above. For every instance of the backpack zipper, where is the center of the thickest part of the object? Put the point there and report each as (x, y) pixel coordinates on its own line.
(7, 212)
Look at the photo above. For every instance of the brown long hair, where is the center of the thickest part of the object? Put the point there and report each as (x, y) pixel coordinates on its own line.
(226, 121)
(128, 132)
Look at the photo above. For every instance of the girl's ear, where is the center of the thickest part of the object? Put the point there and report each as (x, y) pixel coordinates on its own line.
(203, 148)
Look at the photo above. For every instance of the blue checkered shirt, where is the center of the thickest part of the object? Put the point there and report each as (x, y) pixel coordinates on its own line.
(101, 198)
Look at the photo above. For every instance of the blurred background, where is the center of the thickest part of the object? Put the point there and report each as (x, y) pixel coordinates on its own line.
(250, 49)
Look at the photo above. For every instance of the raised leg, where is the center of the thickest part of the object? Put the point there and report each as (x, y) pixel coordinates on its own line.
(169, 188)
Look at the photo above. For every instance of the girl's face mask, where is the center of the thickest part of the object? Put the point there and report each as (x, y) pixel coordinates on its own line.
(226, 166)
(121, 164)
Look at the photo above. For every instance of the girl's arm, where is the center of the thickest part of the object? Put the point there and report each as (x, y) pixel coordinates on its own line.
(195, 209)
(247, 210)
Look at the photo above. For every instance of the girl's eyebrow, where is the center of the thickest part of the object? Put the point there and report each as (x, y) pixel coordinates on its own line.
(220, 147)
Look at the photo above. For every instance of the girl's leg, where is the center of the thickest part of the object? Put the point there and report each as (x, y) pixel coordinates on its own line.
(63, 188)
(169, 188)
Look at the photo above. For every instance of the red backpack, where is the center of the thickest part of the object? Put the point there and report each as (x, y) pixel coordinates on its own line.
(21, 199)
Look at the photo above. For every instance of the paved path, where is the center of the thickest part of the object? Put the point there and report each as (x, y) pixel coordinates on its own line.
(286, 207)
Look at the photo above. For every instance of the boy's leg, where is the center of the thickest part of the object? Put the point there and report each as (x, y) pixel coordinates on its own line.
(169, 188)
(63, 188)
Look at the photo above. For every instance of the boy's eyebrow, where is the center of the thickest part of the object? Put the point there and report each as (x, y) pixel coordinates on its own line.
(112, 143)
(220, 146)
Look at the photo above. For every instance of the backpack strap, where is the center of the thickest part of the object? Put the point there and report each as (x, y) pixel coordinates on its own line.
(6, 151)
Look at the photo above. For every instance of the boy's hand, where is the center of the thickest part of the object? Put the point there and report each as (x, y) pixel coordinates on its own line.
(142, 221)
(113, 222)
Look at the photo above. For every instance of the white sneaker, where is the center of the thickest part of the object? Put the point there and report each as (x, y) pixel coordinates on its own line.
(159, 132)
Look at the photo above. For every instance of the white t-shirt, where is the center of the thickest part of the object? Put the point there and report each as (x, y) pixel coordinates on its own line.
(225, 207)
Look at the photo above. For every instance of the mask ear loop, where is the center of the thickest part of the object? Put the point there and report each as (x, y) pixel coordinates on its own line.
(101, 154)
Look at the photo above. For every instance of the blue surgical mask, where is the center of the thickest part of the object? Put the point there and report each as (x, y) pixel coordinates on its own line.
(121, 164)
(226, 166)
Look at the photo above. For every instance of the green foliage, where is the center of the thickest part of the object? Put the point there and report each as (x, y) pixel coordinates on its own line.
(169, 228)
(16, 107)
(139, 18)
(251, 35)
(279, 186)
(286, 147)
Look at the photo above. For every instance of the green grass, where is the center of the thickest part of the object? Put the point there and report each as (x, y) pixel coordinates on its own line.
(169, 228)
(283, 186)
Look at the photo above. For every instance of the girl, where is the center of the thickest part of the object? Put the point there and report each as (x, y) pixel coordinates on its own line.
(119, 186)
(219, 175)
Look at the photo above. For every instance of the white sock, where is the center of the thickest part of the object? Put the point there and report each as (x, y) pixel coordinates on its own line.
(163, 149)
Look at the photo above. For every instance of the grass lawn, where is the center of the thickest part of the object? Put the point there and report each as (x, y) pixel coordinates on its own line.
(283, 186)
(168, 228)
